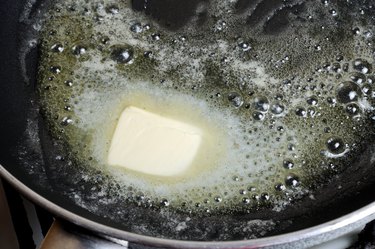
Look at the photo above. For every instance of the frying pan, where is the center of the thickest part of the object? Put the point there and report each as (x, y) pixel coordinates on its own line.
(26, 163)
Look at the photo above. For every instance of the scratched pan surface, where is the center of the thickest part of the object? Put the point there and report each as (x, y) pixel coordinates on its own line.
(29, 151)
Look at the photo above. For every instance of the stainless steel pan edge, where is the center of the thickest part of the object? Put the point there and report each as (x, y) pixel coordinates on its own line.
(299, 239)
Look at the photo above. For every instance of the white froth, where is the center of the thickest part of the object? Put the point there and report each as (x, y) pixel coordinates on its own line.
(98, 111)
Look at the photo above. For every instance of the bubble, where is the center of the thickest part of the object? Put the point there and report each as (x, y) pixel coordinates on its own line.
(66, 121)
(265, 197)
(122, 54)
(368, 34)
(366, 89)
(301, 112)
(352, 109)
(98, 18)
(235, 99)
(336, 67)
(258, 116)
(292, 181)
(155, 36)
(371, 79)
(280, 187)
(313, 100)
(251, 188)
(164, 202)
(333, 12)
(311, 111)
(358, 78)
(339, 58)
(104, 40)
(362, 66)
(182, 38)
(57, 48)
(348, 92)
(32, 43)
(291, 147)
(318, 47)
(218, 199)
(335, 145)
(245, 200)
(224, 60)
(68, 83)
(67, 108)
(136, 28)
(59, 158)
(147, 26)
(112, 9)
(356, 31)
(277, 108)
(255, 197)
(279, 97)
(242, 192)
(220, 25)
(261, 104)
(55, 69)
(244, 46)
(79, 50)
(331, 100)
(140, 196)
(288, 164)
(148, 54)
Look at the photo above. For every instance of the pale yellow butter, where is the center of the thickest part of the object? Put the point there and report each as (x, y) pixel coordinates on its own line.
(149, 143)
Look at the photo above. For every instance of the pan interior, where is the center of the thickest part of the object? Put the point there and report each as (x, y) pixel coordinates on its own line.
(288, 84)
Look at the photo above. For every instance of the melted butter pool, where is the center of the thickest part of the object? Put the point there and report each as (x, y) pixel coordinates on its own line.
(284, 114)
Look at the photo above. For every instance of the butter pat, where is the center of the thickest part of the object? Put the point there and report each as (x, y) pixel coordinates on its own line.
(152, 144)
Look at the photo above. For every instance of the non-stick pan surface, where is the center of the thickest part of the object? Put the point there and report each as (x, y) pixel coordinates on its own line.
(24, 147)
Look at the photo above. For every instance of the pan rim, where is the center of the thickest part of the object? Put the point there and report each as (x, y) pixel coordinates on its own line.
(305, 237)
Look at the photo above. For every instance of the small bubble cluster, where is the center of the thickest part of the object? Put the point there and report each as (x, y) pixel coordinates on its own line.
(122, 54)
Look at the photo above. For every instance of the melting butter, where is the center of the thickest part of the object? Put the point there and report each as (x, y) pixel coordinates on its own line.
(152, 144)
